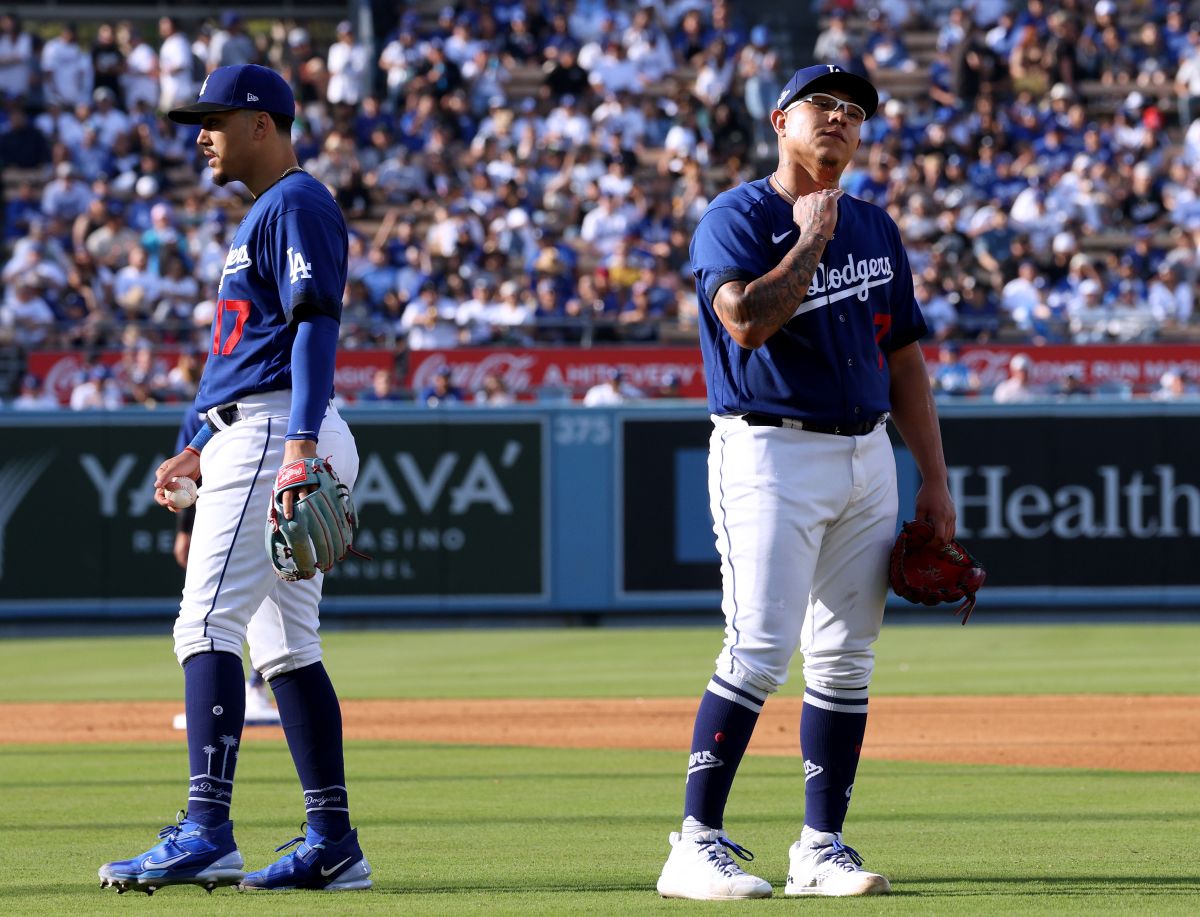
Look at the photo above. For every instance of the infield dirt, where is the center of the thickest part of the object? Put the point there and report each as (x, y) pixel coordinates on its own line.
(1112, 732)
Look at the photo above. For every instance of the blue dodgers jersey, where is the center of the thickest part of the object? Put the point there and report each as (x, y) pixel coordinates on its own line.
(827, 363)
(288, 254)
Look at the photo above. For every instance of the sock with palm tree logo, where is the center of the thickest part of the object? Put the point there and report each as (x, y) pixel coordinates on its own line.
(215, 701)
(312, 722)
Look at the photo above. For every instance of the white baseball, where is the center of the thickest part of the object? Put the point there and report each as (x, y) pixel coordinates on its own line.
(181, 492)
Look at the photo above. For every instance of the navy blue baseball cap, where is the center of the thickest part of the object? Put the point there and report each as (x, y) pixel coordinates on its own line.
(824, 77)
(242, 86)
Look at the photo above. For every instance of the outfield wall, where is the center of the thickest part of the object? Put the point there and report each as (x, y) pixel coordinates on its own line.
(561, 509)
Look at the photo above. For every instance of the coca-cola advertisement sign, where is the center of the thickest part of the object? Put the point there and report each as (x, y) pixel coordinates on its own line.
(566, 371)
(571, 371)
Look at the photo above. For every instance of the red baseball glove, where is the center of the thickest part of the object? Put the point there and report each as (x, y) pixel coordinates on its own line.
(927, 573)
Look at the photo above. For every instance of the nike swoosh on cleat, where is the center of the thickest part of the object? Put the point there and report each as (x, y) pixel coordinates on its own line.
(163, 864)
(779, 238)
(326, 873)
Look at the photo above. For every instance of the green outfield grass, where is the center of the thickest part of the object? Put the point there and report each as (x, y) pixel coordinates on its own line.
(460, 829)
(980, 658)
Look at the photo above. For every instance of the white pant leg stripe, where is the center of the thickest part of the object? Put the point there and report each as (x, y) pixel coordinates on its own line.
(206, 799)
(840, 708)
(322, 789)
(753, 694)
(733, 696)
(737, 634)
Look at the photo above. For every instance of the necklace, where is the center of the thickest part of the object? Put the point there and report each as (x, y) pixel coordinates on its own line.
(791, 198)
(286, 172)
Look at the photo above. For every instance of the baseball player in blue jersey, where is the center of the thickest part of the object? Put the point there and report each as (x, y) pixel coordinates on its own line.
(809, 330)
(265, 394)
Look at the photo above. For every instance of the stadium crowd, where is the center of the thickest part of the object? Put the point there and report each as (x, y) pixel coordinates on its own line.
(523, 172)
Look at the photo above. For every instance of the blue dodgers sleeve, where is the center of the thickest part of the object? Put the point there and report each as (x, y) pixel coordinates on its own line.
(908, 322)
(723, 249)
(309, 257)
(313, 357)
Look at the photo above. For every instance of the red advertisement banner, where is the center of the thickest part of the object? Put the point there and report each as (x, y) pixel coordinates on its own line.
(528, 372)
(1138, 365)
(60, 370)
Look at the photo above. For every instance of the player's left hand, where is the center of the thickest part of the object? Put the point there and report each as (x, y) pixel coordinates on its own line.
(293, 451)
(935, 506)
(321, 532)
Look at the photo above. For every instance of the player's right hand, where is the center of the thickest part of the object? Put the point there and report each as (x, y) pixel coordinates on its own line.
(817, 212)
(184, 465)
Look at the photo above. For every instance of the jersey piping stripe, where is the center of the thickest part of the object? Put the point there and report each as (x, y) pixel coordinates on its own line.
(737, 634)
(225, 567)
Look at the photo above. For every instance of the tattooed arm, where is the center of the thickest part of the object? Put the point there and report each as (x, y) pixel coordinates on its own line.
(752, 312)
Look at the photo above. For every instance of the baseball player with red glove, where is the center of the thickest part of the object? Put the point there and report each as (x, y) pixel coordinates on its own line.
(810, 331)
(268, 450)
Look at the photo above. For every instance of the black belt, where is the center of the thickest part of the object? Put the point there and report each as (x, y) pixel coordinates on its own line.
(229, 414)
(853, 429)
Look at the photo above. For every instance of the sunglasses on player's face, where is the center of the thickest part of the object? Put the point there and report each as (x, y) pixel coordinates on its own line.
(855, 114)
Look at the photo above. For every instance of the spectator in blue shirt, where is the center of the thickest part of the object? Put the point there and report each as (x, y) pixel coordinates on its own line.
(442, 391)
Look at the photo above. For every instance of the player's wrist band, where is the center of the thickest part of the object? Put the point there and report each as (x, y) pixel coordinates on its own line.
(203, 435)
(192, 449)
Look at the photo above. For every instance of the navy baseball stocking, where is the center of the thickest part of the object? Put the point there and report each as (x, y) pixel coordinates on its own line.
(724, 724)
(215, 703)
(312, 721)
(832, 726)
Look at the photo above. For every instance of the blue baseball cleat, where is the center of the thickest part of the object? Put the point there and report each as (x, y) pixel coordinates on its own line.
(318, 864)
(189, 854)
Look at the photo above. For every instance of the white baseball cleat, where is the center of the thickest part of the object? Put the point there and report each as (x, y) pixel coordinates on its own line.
(820, 864)
(701, 868)
(259, 709)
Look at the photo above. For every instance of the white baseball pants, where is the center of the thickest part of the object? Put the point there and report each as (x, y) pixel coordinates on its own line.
(805, 524)
(231, 592)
